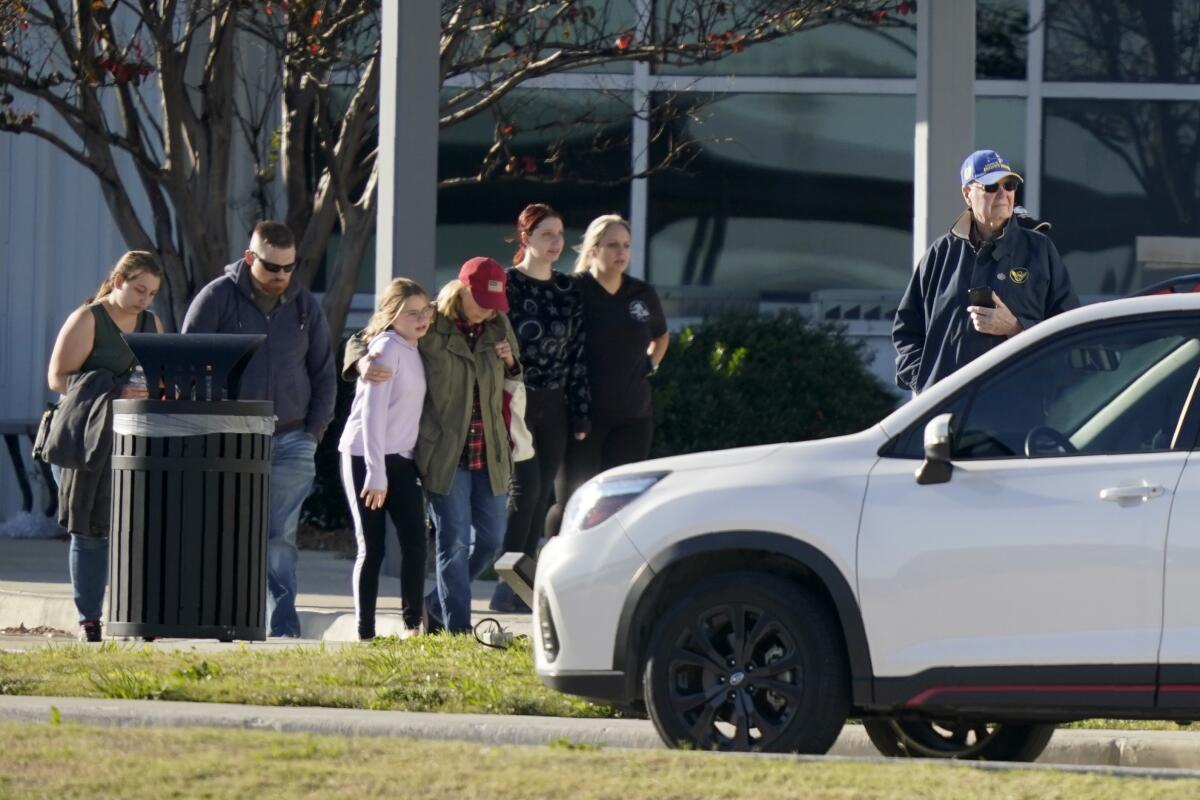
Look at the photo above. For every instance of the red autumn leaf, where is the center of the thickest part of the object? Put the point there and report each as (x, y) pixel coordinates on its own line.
(624, 40)
(269, 11)
(314, 48)
(316, 18)
(507, 130)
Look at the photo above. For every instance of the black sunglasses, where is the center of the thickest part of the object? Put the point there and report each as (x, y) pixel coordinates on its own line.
(285, 268)
(1008, 184)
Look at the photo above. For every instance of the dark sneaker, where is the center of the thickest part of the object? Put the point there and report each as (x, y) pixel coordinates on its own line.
(506, 601)
(89, 630)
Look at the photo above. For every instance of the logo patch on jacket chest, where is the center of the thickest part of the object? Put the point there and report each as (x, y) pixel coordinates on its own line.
(1019, 275)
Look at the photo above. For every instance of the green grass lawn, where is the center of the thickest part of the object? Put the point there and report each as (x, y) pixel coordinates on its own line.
(64, 761)
(428, 673)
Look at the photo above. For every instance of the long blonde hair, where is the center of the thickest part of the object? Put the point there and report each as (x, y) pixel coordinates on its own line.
(128, 267)
(592, 236)
(399, 290)
(449, 299)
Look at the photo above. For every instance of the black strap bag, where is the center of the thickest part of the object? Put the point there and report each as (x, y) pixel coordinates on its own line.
(43, 433)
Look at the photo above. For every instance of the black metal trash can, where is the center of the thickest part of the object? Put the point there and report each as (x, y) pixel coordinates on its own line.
(190, 495)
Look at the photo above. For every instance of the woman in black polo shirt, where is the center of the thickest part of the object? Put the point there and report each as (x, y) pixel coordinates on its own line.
(626, 339)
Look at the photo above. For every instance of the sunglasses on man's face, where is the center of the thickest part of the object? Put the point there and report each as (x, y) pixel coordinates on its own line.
(269, 267)
(1008, 185)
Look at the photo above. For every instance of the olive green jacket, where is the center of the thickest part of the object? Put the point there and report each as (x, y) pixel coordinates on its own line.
(451, 372)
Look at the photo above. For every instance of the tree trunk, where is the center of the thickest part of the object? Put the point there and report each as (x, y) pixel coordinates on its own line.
(358, 226)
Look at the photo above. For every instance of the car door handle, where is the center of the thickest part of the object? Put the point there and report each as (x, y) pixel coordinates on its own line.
(1117, 494)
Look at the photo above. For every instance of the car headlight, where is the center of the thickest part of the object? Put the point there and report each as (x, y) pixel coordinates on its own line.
(597, 500)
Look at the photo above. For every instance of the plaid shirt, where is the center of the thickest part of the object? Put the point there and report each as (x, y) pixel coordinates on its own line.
(474, 456)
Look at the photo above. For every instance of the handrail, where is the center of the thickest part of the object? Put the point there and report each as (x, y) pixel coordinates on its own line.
(13, 430)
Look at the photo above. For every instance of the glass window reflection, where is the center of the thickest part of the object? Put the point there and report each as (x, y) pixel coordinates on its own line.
(570, 149)
(788, 194)
(1155, 41)
(871, 50)
(1115, 170)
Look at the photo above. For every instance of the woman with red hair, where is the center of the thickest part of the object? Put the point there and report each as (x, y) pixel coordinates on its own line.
(547, 316)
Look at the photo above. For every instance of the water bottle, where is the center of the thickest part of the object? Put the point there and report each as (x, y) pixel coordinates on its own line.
(137, 379)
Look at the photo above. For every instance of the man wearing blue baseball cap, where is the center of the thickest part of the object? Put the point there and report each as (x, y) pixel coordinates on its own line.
(982, 282)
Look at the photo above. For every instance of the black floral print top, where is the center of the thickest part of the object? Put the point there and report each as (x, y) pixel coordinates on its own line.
(547, 317)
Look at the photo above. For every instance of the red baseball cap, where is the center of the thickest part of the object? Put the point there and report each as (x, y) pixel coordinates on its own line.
(487, 281)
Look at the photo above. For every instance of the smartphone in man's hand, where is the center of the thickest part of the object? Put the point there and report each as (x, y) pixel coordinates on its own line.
(980, 296)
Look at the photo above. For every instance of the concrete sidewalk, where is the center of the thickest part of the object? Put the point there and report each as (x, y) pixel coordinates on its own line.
(35, 590)
(1142, 750)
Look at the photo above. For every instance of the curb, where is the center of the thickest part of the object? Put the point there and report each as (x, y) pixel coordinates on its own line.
(1152, 750)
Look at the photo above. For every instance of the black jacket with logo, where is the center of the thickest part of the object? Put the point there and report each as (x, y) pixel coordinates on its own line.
(620, 328)
(932, 332)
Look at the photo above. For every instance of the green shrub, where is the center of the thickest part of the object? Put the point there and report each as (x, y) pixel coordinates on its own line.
(749, 379)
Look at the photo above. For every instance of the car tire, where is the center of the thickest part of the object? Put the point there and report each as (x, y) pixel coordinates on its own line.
(974, 741)
(747, 662)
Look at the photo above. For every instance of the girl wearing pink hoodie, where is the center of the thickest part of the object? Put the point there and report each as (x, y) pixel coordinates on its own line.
(376, 448)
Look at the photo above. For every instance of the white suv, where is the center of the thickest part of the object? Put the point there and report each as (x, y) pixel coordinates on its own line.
(1016, 547)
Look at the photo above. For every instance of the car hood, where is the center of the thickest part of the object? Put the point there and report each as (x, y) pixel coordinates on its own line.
(707, 460)
(852, 445)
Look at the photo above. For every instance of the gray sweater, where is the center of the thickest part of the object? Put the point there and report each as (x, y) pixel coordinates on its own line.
(294, 369)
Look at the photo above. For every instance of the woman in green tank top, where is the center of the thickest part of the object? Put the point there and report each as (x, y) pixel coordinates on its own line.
(91, 340)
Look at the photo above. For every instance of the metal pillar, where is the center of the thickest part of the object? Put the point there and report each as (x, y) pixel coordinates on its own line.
(406, 232)
(945, 130)
(408, 139)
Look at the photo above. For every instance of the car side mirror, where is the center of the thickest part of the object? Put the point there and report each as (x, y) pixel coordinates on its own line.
(936, 467)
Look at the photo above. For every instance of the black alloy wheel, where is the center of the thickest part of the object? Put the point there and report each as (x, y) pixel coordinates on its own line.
(748, 662)
(961, 739)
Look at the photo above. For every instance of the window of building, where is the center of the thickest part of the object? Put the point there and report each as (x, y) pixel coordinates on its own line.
(1123, 40)
(1115, 170)
(571, 150)
(786, 194)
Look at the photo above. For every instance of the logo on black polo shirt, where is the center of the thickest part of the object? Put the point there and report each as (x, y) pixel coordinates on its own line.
(639, 311)
(1019, 275)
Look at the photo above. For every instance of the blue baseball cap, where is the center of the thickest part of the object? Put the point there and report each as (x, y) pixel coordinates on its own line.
(986, 167)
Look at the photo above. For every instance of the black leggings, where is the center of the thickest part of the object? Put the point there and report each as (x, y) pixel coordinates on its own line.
(533, 484)
(610, 444)
(405, 504)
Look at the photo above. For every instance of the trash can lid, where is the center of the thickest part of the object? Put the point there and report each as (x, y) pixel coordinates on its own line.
(209, 363)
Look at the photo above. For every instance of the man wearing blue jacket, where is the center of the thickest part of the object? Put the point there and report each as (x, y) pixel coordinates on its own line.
(294, 370)
(936, 331)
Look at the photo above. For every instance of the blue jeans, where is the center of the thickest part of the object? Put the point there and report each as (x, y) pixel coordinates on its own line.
(88, 561)
(292, 474)
(470, 503)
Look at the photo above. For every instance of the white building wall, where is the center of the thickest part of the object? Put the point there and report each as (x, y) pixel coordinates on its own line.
(57, 242)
